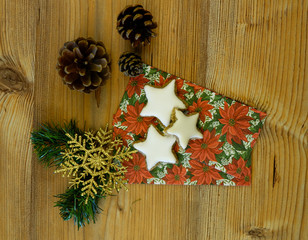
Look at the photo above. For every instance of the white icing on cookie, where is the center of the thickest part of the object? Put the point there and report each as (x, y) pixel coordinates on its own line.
(185, 128)
(156, 148)
(161, 102)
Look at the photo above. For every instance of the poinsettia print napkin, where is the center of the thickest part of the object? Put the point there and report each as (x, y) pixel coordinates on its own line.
(221, 157)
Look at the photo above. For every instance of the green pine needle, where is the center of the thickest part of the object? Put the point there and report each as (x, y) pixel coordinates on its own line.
(50, 140)
(73, 205)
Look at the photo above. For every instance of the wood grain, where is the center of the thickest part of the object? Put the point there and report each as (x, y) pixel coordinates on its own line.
(252, 51)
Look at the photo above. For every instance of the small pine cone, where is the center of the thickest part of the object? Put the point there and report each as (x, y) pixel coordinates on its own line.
(83, 64)
(130, 63)
(135, 23)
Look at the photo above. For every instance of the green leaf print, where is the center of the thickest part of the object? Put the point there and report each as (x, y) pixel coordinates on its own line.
(239, 147)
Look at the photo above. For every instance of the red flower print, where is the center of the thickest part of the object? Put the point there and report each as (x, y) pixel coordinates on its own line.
(163, 81)
(180, 91)
(201, 107)
(136, 167)
(134, 122)
(176, 175)
(176, 147)
(205, 149)
(135, 85)
(203, 173)
(236, 122)
(255, 136)
(237, 168)
(116, 117)
(244, 180)
(261, 114)
(121, 134)
(197, 88)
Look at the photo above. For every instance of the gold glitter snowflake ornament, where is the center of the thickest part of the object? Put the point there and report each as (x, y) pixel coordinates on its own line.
(95, 162)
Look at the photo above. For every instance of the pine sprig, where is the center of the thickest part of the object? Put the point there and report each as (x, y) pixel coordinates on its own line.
(90, 162)
(93, 160)
(50, 140)
(73, 205)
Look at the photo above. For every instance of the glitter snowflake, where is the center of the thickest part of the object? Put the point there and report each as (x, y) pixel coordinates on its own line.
(94, 161)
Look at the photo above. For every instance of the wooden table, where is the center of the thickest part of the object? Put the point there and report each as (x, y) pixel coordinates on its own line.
(252, 51)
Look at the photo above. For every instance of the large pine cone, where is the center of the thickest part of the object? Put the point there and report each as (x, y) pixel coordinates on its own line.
(84, 64)
(135, 23)
(130, 63)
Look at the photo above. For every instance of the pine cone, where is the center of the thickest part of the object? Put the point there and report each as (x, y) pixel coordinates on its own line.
(135, 23)
(130, 63)
(83, 64)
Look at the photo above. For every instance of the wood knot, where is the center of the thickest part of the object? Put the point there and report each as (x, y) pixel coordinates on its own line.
(11, 80)
(257, 232)
(120, 208)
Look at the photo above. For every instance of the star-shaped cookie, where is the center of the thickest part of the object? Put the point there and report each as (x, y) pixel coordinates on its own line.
(157, 148)
(161, 102)
(184, 127)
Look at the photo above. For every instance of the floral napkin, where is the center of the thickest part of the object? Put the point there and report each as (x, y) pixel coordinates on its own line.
(222, 157)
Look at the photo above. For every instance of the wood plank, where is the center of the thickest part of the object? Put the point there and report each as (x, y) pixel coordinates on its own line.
(252, 51)
(17, 56)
